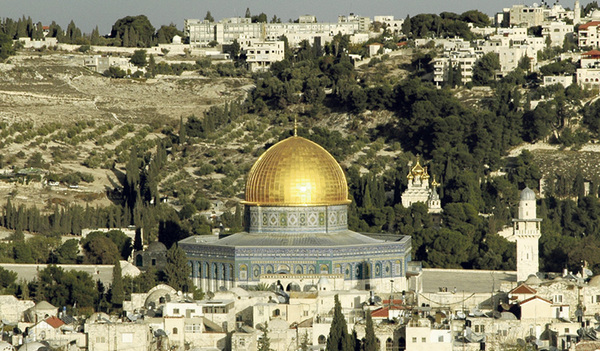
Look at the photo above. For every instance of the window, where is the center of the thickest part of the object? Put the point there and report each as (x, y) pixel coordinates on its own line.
(441, 338)
(174, 331)
(480, 329)
(423, 339)
(154, 261)
(127, 338)
(566, 330)
(100, 340)
(176, 311)
(558, 298)
(193, 328)
(414, 339)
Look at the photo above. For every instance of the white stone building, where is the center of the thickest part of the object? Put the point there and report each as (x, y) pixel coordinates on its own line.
(260, 55)
(462, 60)
(526, 16)
(201, 33)
(557, 31)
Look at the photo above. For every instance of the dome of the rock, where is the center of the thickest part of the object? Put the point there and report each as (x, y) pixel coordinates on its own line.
(296, 172)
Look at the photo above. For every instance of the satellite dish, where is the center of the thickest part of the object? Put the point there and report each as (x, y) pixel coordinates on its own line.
(535, 4)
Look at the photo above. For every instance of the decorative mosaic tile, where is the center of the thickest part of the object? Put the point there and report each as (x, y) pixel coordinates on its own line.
(283, 219)
(293, 219)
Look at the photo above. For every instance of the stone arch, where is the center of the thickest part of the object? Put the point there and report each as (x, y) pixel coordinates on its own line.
(311, 269)
(377, 344)
(299, 269)
(293, 286)
(338, 269)
(269, 269)
(322, 340)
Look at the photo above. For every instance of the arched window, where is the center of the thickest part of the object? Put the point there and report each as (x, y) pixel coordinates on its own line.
(139, 261)
(338, 269)
(378, 344)
(174, 331)
(322, 340)
(243, 272)
(276, 312)
(324, 269)
(389, 345)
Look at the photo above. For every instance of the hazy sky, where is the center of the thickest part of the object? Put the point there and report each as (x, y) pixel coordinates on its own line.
(89, 13)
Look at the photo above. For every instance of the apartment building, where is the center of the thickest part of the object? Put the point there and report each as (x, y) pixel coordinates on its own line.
(557, 31)
(588, 35)
(201, 33)
(463, 60)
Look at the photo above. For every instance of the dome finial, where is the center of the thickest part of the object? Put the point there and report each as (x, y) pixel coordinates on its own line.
(295, 127)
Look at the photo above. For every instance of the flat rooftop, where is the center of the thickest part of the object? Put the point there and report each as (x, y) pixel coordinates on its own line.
(467, 280)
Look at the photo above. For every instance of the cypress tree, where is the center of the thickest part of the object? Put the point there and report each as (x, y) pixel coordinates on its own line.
(264, 343)
(117, 292)
(182, 135)
(339, 339)
(370, 342)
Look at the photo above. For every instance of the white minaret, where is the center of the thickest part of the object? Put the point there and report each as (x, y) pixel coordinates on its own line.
(577, 13)
(527, 231)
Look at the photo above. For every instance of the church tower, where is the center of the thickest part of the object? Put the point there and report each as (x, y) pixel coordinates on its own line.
(577, 13)
(526, 228)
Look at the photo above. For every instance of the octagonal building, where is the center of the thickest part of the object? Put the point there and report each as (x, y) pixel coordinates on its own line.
(296, 232)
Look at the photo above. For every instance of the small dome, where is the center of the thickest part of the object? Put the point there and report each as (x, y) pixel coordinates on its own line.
(33, 346)
(296, 172)
(323, 281)
(595, 281)
(533, 280)
(527, 194)
(156, 246)
(4, 346)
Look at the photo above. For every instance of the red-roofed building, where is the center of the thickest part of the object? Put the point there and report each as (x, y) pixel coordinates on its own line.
(55, 322)
(590, 59)
(588, 34)
(522, 292)
(48, 329)
(537, 308)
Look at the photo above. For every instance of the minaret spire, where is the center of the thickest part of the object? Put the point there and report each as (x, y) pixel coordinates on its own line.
(295, 127)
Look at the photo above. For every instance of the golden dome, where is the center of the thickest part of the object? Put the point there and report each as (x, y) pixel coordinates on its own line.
(296, 172)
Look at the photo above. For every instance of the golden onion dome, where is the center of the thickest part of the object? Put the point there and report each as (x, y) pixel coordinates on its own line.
(296, 172)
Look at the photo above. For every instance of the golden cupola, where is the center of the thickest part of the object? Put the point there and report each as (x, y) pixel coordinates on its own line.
(296, 172)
